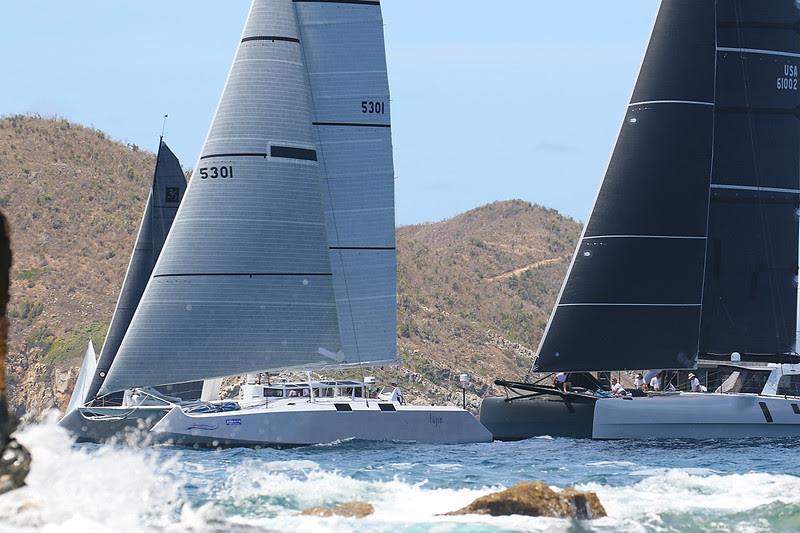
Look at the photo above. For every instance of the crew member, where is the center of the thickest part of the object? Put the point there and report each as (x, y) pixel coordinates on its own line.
(617, 388)
(397, 395)
(655, 383)
(694, 383)
(561, 382)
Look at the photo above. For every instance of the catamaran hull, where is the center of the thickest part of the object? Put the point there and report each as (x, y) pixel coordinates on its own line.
(306, 426)
(670, 416)
(112, 424)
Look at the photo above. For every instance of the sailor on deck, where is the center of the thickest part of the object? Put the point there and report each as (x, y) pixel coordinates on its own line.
(561, 382)
(397, 395)
(617, 388)
(655, 383)
(694, 383)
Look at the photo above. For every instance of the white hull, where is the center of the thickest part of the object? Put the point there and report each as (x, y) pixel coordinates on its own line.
(307, 423)
(697, 416)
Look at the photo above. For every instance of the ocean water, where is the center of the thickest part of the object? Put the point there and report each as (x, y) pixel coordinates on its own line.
(745, 486)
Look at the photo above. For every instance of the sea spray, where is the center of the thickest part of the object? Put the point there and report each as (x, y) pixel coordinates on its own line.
(644, 487)
(91, 488)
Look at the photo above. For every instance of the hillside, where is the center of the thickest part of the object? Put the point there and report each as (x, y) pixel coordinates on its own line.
(474, 291)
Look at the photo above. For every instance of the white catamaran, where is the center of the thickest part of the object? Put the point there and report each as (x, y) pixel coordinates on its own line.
(281, 256)
(690, 255)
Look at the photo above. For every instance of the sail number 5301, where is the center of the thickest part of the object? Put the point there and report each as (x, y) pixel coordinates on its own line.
(216, 172)
(373, 108)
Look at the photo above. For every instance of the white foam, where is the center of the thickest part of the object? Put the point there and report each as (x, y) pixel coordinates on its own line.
(119, 489)
(106, 489)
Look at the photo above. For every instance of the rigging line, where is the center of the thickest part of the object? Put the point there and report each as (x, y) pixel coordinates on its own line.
(768, 238)
(324, 170)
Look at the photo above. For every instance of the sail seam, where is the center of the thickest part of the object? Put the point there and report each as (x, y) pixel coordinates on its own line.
(688, 102)
(758, 51)
(607, 304)
(375, 248)
(357, 2)
(244, 154)
(352, 124)
(755, 188)
(241, 274)
(682, 237)
(271, 38)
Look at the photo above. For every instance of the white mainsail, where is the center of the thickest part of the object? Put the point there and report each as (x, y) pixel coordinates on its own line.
(345, 57)
(244, 282)
(85, 374)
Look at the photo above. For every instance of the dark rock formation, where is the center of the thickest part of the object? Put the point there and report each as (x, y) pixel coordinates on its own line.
(535, 498)
(346, 510)
(15, 461)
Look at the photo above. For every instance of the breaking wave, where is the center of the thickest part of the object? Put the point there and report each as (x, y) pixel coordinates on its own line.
(92, 488)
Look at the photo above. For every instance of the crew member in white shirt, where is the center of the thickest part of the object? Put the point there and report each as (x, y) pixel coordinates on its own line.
(640, 383)
(694, 383)
(655, 383)
(617, 388)
(396, 396)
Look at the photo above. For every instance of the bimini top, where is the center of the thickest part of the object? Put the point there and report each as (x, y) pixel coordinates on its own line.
(282, 254)
(692, 245)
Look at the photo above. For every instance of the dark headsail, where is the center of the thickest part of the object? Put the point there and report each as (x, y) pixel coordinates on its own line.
(750, 299)
(169, 184)
(692, 243)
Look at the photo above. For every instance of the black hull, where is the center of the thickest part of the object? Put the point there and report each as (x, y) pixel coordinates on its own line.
(510, 419)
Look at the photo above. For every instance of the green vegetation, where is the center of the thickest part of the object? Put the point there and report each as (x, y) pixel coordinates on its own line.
(31, 274)
(26, 309)
(72, 346)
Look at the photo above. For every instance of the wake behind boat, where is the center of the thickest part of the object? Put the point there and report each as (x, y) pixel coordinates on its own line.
(282, 254)
(691, 249)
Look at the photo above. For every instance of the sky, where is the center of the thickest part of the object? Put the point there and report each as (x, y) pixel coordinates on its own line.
(490, 101)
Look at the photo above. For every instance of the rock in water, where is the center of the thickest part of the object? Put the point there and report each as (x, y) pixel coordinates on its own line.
(15, 461)
(346, 510)
(535, 498)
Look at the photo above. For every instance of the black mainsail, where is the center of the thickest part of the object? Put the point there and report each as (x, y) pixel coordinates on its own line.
(169, 185)
(692, 245)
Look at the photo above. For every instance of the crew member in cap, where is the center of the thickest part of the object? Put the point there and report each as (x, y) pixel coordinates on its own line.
(694, 383)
